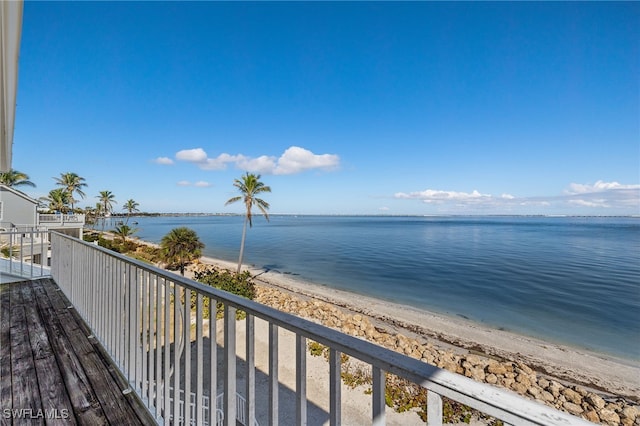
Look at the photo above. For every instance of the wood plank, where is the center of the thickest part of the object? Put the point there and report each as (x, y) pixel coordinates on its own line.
(86, 405)
(59, 305)
(6, 400)
(53, 394)
(40, 347)
(26, 395)
(57, 300)
(113, 402)
(55, 399)
(121, 382)
(107, 382)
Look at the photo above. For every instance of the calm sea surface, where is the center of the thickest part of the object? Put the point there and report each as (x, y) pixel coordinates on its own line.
(564, 279)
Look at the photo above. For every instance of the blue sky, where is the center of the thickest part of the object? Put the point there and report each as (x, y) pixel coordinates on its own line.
(343, 108)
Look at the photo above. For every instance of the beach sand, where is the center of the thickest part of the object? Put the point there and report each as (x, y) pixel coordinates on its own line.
(613, 376)
(356, 404)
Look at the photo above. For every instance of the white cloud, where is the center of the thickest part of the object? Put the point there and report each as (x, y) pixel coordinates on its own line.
(437, 196)
(262, 164)
(294, 160)
(613, 196)
(220, 162)
(586, 203)
(605, 195)
(532, 202)
(163, 160)
(384, 209)
(599, 186)
(199, 184)
(196, 155)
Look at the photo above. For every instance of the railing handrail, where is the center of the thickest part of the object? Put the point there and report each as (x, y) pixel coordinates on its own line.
(61, 218)
(488, 399)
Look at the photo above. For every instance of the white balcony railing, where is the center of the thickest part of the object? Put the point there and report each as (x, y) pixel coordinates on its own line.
(137, 312)
(61, 219)
(24, 253)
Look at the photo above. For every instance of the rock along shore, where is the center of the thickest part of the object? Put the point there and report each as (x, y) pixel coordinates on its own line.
(513, 375)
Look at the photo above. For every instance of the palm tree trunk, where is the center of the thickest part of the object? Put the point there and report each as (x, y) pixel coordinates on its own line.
(244, 233)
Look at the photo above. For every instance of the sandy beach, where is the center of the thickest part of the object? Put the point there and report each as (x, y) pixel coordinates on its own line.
(613, 376)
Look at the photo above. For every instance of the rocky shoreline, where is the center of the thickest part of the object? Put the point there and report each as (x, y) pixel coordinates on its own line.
(515, 375)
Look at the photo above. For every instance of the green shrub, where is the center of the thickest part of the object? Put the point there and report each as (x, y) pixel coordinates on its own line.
(147, 253)
(240, 284)
(7, 250)
(316, 349)
(90, 236)
(400, 394)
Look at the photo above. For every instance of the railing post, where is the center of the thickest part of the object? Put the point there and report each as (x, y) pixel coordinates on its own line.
(434, 409)
(177, 351)
(21, 255)
(199, 362)
(31, 254)
(250, 376)
(335, 397)
(159, 337)
(137, 300)
(273, 374)
(230, 365)
(112, 307)
(213, 362)
(121, 310)
(133, 326)
(378, 395)
(187, 356)
(151, 351)
(166, 407)
(143, 332)
(301, 380)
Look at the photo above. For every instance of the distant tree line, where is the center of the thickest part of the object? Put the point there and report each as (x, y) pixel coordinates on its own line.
(181, 245)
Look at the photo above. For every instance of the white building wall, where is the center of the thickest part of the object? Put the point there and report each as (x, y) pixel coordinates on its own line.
(16, 210)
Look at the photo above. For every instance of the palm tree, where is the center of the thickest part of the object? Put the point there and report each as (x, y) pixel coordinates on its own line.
(181, 246)
(71, 182)
(130, 206)
(58, 200)
(107, 199)
(90, 214)
(97, 212)
(15, 178)
(124, 231)
(249, 186)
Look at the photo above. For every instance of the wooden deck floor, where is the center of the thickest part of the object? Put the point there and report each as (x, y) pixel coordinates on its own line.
(51, 372)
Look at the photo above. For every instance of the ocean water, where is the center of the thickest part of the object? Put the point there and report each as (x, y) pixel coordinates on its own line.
(570, 280)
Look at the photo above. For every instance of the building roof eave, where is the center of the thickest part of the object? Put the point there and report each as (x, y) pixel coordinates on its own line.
(10, 33)
(18, 193)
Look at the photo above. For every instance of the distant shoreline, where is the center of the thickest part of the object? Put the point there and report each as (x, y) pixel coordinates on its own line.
(176, 214)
